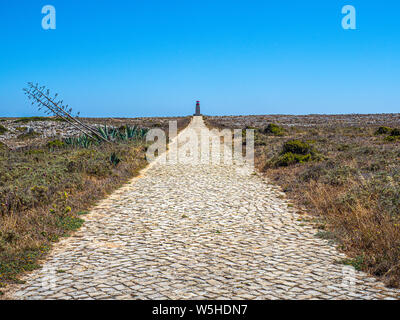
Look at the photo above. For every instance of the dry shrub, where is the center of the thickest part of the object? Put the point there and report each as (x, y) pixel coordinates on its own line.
(42, 190)
(363, 231)
(354, 188)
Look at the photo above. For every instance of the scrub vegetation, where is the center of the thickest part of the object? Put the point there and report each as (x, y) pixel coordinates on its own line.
(346, 174)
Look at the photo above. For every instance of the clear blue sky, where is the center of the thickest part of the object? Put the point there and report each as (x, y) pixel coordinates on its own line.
(156, 58)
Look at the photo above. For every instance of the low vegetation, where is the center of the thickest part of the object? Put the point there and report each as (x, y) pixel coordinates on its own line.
(3, 146)
(29, 119)
(45, 190)
(21, 129)
(293, 151)
(273, 129)
(28, 135)
(348, 177)
(42, 189)
(391, 134)
(3, 130)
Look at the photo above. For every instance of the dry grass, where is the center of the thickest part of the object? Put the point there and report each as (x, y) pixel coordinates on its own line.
(44, 191)
(353, 189)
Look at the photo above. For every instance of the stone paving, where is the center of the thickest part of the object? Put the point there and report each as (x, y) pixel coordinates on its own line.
(204, 231)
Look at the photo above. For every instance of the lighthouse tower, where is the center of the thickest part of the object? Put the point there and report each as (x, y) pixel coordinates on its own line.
(197, 109)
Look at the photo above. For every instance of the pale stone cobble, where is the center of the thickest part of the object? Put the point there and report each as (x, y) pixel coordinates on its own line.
(203, 231)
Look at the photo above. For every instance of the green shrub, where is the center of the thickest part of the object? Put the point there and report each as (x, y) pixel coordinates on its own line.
(395, 132)
(296, 147)
(55, 144)
(383, 130)
(3, 129)
(69, 223)
(290, 158)
(391, 138)
(357, 262)
(273, 129)
(294, 151)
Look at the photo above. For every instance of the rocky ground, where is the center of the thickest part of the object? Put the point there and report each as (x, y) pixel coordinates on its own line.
(317, 120)
(20, 132)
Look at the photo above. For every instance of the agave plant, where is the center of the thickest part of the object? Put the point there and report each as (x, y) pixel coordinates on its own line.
(108, 133)
(130, 132)
(141, 133)
(82, 141)
(124, 133)
(134, 133)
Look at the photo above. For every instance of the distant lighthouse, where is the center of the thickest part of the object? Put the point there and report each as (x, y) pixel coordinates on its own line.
(197, 109)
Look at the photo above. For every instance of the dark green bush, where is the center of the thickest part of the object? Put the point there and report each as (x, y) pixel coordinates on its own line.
(296, 147)
(295, 151)
(391, 138)
(395, 132)
(273, 129)
(290, 158)
(383, 130)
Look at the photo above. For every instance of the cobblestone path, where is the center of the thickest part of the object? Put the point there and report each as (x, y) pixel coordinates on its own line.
(182, 231)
